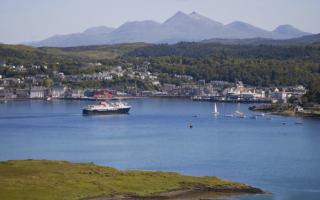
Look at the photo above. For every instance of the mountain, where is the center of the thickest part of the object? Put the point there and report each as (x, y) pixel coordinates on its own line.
(287, 31)
(91, 36)
(245, 30)
(191, 27)
(131, 32)
(98, 30)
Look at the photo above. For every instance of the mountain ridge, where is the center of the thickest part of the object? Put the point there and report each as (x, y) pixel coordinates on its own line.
(180, 27)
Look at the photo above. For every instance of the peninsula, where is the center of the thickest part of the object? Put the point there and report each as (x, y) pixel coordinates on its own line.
(56, 180)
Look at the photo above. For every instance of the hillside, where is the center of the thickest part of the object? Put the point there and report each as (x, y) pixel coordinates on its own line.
(99, 52)
(258, 65)
(203, 50)
(29, 55)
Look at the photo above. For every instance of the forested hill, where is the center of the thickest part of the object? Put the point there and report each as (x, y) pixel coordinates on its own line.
(261, 65)
(204, 50)
(21, 54)
(304, 40)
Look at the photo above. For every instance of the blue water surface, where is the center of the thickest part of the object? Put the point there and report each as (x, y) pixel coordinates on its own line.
(283, 158)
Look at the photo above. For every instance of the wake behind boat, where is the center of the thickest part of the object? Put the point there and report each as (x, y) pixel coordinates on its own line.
(106, 108)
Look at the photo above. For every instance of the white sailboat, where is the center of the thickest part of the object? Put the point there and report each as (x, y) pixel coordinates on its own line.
(215, 111)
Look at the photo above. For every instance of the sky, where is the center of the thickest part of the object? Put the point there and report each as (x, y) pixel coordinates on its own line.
(33, 20)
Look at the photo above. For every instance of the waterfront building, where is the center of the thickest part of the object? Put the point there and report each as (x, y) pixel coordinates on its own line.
(58, 91)
(38, 92)
(22, 93)
(77, 93)
(6, 94)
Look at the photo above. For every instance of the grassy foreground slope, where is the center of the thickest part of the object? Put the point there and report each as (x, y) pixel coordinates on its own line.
(59, 180)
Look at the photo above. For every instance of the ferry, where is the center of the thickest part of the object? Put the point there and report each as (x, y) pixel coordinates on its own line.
(106, 108)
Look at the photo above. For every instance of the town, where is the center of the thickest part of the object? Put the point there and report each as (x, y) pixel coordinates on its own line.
(40, 82)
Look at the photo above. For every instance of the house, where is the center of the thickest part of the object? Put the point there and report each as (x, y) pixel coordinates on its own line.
(41, 77)
(279, 96)
(22, 93)
(58, 91)
(104, 94)
(30, 80)
(38, 92)
(77, 93)
(298, 109)
(6, 94)
(10, 81)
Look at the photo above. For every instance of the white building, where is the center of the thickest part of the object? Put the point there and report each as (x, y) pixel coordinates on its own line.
(58, 91)
(38, 92)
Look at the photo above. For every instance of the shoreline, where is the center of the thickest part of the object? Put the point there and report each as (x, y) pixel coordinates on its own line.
(94, 99)
(285, 111)
(185, 194)
(179, 194)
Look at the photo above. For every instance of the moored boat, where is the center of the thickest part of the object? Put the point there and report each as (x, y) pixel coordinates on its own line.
(3, 101)
(239, 114)
(106, 108)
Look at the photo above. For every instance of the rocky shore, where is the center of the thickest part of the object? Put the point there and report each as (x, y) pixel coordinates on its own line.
(197, 193)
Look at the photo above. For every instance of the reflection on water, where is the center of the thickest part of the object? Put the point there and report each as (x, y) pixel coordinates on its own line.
(271, 152)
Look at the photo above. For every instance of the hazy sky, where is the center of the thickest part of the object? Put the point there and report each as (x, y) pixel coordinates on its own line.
(31, 20)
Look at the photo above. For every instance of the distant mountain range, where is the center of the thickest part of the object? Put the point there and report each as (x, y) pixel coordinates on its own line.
(180, 27)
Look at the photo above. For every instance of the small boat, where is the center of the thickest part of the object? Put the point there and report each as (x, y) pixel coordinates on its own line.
(284, 123)
(261, 114)
(48, 99)
(215, 111)
(4, 101)
(190, 125)
(195, 116)
(239, 114)
(298, 122)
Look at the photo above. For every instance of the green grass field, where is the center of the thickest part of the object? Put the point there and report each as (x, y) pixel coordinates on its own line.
(60, 180)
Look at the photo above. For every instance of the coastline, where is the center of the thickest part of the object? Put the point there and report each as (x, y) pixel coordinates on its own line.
(54, 180)
(180, 195)
(184, 194)
(286, 110)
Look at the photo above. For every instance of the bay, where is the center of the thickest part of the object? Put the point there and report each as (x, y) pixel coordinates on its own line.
(274, 154)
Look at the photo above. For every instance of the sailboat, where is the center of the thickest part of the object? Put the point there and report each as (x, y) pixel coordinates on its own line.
(215, 111)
